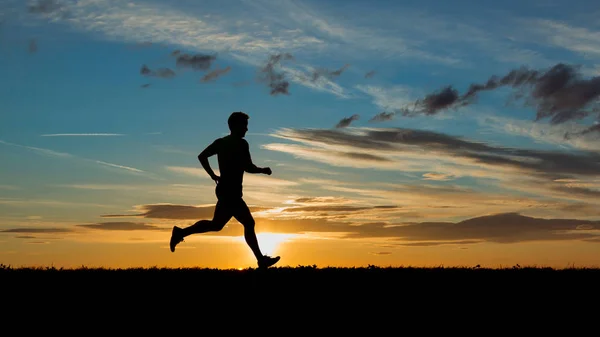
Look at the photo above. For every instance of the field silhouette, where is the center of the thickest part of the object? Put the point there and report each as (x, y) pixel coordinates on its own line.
(291, 299)
(303, 282)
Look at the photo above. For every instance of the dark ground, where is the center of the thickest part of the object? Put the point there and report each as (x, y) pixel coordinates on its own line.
(370, 294)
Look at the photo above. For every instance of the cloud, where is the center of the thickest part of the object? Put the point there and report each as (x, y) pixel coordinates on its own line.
(81, 135)
(559, 94)
(122, 226)
(160, 72)
(253, 180)
(502, 228)
(213, 75)
(191, 28)
(38, 150)
(47, 203)
(437, 176)
(381, 253)
(370, 74)
(131, 169)
(417, 152)
(37, 230)
(46, 6)
(344, 122)
(321, 200)
(542, 132)
(195, 62)
(174, 212)
(577, 39)
(337, 208)
(274, 77)
(439, 243)
(319, 72)
(498, 228)
(67, 155)
(393, 99)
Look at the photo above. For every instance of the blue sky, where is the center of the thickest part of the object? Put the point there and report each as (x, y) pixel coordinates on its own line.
(83, 133)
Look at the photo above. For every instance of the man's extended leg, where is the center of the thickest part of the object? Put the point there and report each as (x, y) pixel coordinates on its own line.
(220, 218)
(242, 214)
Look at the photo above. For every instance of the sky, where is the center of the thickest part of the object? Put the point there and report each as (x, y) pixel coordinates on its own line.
(414, 133)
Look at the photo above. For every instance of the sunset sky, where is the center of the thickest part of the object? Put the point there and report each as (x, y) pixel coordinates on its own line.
(396, 131)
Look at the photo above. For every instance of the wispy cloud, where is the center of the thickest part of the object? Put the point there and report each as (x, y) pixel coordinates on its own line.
(37, 230)
(581, 40)
(435, 155)
(541, 132)
(122, 226)
(81, 134)
(173, 211)
(53, 153)
(48, 203)
(132, 169)
(253, 180)
(39, 150)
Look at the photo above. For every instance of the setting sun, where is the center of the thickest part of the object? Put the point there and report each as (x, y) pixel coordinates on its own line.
(270, 243)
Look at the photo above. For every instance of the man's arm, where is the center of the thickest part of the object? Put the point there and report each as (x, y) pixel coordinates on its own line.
(203, 158)
(251, 168)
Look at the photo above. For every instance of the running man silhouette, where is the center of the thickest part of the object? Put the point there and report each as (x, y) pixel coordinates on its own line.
(233, 155)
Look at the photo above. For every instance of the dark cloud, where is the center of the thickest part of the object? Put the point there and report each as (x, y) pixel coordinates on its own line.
(552, 164)
(364, 156)
(121, 226)
(335, 208)
(559, 94)
(319, 200)
(592, 129)
(160, 72)
(24, 237)
(381, 253)
(213, 75)
(175, 212)
(345, 122)
(37, 230)
(146, 85)
(370, 74)
(326, 73)
(498, 228)
(439, 243)
(274, 78)
(196, 62)
(45, 6)
(382, 117)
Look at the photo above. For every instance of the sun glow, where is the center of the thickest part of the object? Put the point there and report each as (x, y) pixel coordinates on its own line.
(270, 242)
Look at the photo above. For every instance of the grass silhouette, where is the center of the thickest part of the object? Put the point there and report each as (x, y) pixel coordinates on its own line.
(302, 292)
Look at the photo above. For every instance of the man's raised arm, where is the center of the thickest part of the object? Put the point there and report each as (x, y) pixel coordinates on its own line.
(203, 158)
(251, 168)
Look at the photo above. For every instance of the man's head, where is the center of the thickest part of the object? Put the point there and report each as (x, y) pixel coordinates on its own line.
(238, 123)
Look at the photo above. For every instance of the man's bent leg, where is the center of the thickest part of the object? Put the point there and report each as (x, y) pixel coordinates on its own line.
(222, 215)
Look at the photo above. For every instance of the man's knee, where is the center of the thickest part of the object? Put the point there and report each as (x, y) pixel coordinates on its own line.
(249, 224)
(217, 225)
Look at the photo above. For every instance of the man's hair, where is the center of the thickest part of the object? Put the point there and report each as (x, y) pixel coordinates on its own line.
(237, 118)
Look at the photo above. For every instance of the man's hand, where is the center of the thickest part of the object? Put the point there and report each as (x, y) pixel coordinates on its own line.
(215, 178)
(267, 170)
